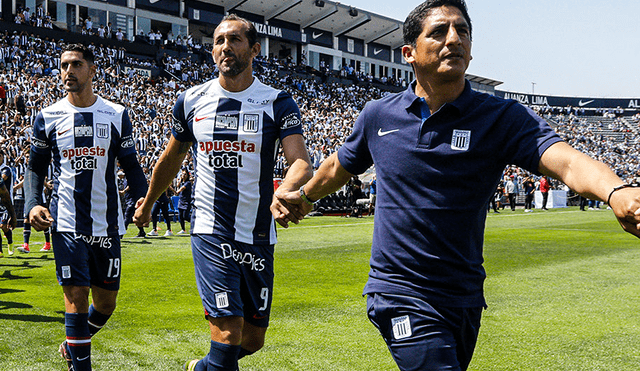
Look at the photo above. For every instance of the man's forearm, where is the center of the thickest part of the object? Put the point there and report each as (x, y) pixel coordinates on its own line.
(328, 179)
(586, 176)
(299, 173)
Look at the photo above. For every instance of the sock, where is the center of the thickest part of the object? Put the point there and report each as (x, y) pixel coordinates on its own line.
(26, 233)
(243, 353)
(202, 364)
(9, 236)
(47, 235)
(96, 320)
(223, 357)
(78, 340)
(141, 231)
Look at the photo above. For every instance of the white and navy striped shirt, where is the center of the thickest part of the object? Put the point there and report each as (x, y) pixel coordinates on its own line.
(235, 138)
(85, 144)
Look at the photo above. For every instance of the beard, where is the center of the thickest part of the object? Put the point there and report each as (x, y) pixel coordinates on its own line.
(235, 68)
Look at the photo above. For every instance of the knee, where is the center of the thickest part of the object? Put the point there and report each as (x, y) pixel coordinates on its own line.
(106, 308)
(76, 298)
(252, 343)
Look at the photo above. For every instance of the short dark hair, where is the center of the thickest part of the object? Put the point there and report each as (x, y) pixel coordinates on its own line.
(414, 23)
(87, 54)
(252, 33)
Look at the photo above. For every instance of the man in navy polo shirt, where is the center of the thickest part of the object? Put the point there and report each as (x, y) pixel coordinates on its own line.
(439, 149)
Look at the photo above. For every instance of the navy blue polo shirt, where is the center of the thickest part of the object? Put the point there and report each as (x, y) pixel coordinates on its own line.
(435, 177)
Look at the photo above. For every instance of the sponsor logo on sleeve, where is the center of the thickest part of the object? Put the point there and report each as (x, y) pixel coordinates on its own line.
(39, 143)
(290, 121)
(177, 126)
(127, 142)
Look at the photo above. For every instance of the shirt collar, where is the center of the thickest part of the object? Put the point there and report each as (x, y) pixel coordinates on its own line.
(461, 104)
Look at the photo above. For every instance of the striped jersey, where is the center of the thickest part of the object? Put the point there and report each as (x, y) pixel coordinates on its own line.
(85, 144)
(235, 138)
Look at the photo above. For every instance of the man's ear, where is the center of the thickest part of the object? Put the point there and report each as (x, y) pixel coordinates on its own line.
(408, 53)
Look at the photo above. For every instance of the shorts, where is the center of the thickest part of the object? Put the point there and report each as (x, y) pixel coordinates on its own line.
(4, 215)
(87, 260)
(234, 278)
(425, 337)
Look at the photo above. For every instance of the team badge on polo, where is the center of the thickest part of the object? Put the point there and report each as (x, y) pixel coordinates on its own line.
(460, 140)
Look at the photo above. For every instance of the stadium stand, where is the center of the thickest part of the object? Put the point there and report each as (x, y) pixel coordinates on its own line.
(330, 101)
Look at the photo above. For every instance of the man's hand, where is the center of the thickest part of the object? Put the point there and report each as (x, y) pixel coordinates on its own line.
(142, 216)
(289, 207)
(40, 218)
(626, 206)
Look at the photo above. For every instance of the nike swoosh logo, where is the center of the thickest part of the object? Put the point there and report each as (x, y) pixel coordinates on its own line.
(153, 1)
(63, 131)
(82, 359)
(377, 51)
(201, 118)
(383, 133)
(316, 35)
(582, 104)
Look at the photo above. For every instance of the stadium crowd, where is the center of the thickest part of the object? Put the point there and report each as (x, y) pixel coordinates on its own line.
(29, 66)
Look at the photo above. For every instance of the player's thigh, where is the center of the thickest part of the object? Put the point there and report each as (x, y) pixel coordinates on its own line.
(257, 283)
(71, 255)
(105, 262)
(423, 337)
(218, 275)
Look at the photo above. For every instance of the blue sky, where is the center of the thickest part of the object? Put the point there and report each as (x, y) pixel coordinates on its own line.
(577, 48)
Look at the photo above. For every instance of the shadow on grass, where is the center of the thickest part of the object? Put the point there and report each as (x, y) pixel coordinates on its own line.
(8, 276)
(10, 291)
(30, 318)
(138, 241)
(25, 317)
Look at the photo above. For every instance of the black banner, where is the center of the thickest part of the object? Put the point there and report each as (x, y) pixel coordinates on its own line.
(162, 6)
(116, 2)
(579, 102)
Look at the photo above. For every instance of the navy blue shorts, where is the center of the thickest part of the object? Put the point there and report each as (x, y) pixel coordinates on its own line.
(87, 260)
(425, 337)
(234, 278)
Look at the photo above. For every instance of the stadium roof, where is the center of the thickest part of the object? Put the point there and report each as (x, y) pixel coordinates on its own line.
(337, 18)
(483, 80)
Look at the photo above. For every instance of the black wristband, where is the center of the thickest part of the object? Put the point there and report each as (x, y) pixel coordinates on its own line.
(628, 185)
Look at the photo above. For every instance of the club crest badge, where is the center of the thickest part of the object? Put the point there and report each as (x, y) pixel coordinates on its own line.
(460, 140)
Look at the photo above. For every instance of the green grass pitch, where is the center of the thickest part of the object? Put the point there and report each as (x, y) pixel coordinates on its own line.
(563, 290)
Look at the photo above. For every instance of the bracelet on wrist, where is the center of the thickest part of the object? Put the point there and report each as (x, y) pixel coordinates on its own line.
(304, 197)
(615, 189)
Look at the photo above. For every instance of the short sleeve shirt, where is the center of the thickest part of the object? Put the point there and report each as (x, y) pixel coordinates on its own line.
(435, 176)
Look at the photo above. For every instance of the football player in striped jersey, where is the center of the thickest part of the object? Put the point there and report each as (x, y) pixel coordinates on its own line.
(85, 136)
(233, 126)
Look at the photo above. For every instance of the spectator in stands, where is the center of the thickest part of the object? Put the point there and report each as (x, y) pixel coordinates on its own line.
(529, 191)
(184, 200)
(544, 189)
(510, 191)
